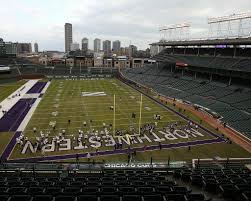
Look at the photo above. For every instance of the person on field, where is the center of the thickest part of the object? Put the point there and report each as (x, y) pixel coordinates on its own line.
(88, 156)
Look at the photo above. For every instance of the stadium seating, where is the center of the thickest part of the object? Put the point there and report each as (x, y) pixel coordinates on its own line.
(174, 184)
(233, 103)
(219, 62)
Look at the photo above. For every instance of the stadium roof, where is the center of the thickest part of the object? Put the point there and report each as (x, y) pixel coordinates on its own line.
(201, 42)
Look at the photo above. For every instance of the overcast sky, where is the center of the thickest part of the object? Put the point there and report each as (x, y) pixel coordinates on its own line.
(131, 21)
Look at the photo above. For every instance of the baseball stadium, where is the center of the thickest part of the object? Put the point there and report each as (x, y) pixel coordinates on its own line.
(176, 128)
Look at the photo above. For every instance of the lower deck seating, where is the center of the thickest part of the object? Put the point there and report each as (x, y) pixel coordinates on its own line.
(230, 183)
(129, 185)
(121, 185)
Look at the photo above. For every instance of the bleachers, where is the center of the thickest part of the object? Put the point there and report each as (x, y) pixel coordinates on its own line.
(231, 102)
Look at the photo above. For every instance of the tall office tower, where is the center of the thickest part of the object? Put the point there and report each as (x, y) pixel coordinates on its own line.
(132, 50)
(68, 36)
(85, 44)
(24, 48)
(97, 45)
(116, 46)
(36, 47)
(107, 47)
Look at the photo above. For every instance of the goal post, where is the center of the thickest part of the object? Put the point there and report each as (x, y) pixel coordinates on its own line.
(114, 116)
(140, 111)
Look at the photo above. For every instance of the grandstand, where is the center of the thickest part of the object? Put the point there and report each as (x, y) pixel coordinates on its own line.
(219, 82)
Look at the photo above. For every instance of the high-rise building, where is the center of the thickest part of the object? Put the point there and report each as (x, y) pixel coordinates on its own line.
(74, 47)
(68, 36)
(36, 47)
(132, 50)
(85, 44)
(11, 48)
(116, 46)
(107, 47)
(2, 48)
(24, 48)
(97, 45)
(7, 49)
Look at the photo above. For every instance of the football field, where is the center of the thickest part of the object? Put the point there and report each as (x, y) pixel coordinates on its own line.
(92, 106)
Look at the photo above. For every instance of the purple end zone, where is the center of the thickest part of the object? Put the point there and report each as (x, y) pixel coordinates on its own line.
(14, 117)
(37, 88)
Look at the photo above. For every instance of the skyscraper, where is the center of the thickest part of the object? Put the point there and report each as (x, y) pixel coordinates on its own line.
(97, 45)
(36, 47)
(2, 47)
(107, 47)
(68, 36)
(132, 50)
(85, 44)
(24, 48)
(116, 46)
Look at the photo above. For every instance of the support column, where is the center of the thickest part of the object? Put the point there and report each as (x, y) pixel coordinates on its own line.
(211, 77)
(230, 81)
(195, 75)
(235, 51)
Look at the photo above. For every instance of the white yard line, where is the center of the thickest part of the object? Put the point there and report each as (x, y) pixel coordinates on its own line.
(27, 96)
(99, 115)
(80, 127)
(9, 102)
(30, 113)
(46, 87)
(120, 119)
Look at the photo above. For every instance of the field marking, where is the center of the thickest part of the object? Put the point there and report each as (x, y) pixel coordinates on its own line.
(86, 112)
(124, 107)
(116, 106)
(106, 115)
(147, 99)
(144, 112)
(122, 151)
(8, 102)
(58, 122)
(28, 116)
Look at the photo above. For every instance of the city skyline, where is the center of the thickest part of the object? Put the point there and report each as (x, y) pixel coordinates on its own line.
(125, 20)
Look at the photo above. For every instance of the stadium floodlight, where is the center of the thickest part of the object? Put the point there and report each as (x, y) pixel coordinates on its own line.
(175, 26)
(175, 31)
(231, 17)
(228, 21)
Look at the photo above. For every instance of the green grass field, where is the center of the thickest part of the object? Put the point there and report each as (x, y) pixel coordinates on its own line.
(63, 101)
(9, 88)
